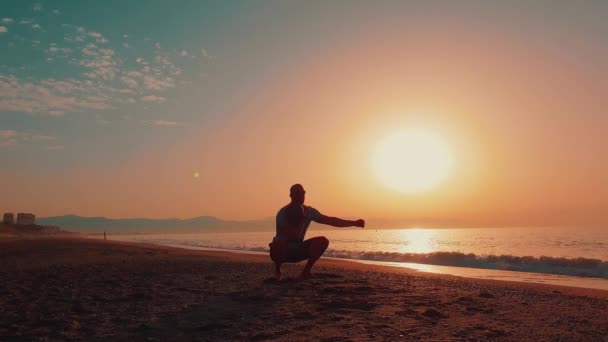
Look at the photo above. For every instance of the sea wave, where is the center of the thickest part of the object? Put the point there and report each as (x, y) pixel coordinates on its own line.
(580, 267)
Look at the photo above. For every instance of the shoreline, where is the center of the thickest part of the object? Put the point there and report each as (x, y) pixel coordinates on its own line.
(67, 288)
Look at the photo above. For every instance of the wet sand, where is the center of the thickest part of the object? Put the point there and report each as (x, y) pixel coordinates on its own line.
(79, 289)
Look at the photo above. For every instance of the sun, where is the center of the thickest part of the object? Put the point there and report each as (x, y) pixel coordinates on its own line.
(412, 160)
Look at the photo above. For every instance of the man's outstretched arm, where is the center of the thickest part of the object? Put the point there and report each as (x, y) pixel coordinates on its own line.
(338, 222)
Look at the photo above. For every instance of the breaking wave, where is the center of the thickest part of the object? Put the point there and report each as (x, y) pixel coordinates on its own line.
(580, 267)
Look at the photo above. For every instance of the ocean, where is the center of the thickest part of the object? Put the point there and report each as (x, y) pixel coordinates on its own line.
(561, 256)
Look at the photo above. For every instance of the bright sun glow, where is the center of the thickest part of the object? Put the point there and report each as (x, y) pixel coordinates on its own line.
(413, 160)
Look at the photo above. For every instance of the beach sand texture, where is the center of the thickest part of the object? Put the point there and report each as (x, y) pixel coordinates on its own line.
(83, 289)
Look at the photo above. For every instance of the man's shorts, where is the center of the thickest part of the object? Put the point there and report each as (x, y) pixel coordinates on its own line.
(296, 251)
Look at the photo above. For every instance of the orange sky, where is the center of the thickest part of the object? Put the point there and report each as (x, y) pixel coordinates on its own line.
(524, 113)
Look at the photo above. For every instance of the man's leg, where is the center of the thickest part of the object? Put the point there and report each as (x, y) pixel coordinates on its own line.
(277, 270)
(316, 247)
(278, 254)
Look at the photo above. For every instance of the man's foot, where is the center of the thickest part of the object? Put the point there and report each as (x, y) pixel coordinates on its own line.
(277, 271)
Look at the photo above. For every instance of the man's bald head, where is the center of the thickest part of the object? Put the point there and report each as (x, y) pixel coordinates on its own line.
(297, 194)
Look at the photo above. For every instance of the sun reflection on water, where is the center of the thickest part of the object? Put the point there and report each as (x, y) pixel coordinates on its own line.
(418, 240)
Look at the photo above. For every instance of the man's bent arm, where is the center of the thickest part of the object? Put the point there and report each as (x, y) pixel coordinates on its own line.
(338, 222)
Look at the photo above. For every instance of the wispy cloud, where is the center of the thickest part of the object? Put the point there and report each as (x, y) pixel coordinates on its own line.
(165, 123)
(54, 49)
(162, 123)
(8, 138)
(153, 98)
(100, 63)
(4, 143)
(12, 138)
(99, 38)
(37, 137)
(54, 147)
(37, 7)
(107, 78)
(7, 20)
(52, 97)
(7, 133)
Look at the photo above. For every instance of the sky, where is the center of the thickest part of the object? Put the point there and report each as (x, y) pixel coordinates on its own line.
(181, 109)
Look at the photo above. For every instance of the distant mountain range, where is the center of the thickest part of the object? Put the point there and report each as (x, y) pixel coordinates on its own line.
(76, 223)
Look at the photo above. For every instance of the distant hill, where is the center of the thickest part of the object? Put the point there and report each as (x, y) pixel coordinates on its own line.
(143, 225)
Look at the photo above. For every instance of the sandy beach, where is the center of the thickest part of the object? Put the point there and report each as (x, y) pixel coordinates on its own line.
(79, 289)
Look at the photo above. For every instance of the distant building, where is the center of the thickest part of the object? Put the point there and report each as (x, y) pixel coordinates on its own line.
(26, 219)
(8, 219)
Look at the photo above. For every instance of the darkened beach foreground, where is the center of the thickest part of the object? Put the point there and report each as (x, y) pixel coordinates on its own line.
(58, 289)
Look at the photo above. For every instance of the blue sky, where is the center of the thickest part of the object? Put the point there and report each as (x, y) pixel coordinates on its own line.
(97, 82)
(80, 75)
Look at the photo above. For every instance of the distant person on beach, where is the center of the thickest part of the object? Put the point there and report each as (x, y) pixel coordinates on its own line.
(291, 225)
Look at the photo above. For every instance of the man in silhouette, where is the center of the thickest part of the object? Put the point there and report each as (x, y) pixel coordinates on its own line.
(291, 225)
